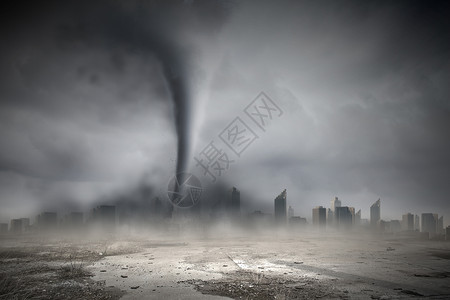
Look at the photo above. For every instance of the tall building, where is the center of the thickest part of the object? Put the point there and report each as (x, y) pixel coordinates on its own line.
(344, 216)
(235, 202)
(429, 223)
(447, 233)
(335, 203)
(375, 215)
(408, 222)
(331, 216)
(280, 207)
(319, 216)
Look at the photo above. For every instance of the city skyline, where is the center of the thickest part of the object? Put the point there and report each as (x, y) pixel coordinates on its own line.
(336, 216)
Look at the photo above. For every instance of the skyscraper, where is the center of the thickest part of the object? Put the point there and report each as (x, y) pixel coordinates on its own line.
(319, 215)
(332, 211)
(335, 203)
(429, 223)
(280, 207)
(344, 216)
(375, 213)
(408, 222)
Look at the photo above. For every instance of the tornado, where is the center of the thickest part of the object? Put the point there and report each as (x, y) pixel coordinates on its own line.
(176, 79)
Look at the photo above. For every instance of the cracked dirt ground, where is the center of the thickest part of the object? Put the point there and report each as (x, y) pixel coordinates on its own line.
(311, 266)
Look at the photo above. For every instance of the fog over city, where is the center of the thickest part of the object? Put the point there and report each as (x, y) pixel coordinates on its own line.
(104, 102)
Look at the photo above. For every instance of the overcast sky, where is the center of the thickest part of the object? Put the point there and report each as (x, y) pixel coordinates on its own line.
(86, 112)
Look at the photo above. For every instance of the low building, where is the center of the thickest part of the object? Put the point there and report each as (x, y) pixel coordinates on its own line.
(297, 222)
(16, 226)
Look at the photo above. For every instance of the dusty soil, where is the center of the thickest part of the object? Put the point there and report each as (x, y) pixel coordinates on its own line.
(308, 266)
(50, 269)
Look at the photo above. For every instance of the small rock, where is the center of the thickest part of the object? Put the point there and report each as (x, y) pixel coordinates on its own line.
(124, 276)
(103, 271)
(134, 287)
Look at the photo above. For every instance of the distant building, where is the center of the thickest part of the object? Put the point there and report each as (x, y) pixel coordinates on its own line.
(344, 216)
(357, 221)
(235, 202)
(290, 212)
(408, 222)
(25, 224)
(319, 216)
(394, 226)
(105, 217)
(375, 214)
(47, 221)
(3, 228)
(447, 233)
(416, 223)
(16, 226)
(258, 215)
(280, 208)
(331, 212)
(381, 225)
(330, 217)
(429, 224)
(74, 220)
(297, 222)
(365, 222)
(335, 203)
(259, 219)
(440, 226)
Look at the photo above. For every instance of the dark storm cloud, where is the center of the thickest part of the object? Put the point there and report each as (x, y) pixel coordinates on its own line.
(82, 83)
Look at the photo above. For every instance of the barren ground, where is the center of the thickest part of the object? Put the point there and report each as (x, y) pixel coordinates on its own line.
(308, 266)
